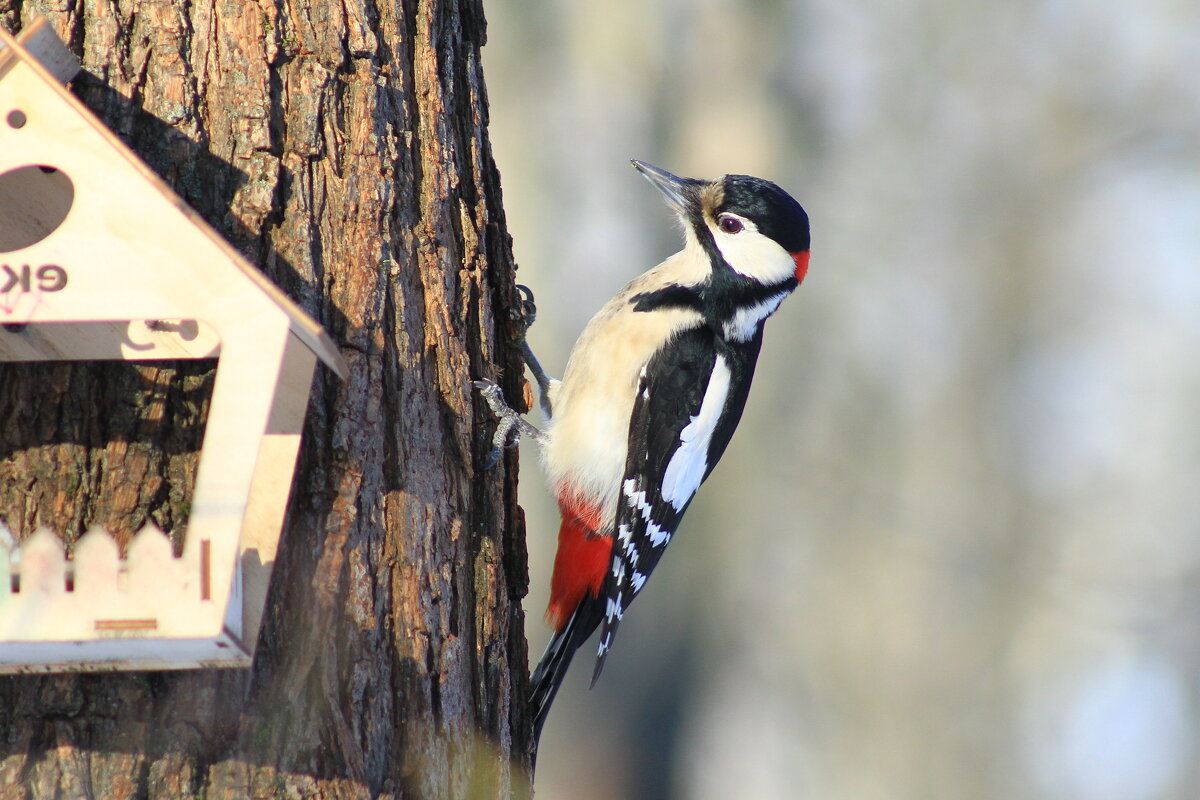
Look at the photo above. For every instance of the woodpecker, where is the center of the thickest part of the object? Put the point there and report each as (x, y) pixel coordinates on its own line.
(652, 393)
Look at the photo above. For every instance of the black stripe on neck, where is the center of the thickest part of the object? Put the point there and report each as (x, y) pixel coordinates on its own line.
(720, 295)
(673, 296)
(717, 299)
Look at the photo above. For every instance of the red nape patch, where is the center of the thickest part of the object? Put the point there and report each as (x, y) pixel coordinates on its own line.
(801, 260)
(583, 556)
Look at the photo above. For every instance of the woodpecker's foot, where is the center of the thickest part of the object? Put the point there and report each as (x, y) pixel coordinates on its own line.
(528, 315)
(510, 425)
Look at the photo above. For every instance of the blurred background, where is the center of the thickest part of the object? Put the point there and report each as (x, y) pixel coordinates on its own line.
(954, 549)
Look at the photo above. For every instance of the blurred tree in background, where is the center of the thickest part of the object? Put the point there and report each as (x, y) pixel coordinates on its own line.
(953, 550)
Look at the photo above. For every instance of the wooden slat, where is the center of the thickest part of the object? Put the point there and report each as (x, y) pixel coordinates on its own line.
(272, 485)
(137, 340)
(121, 654)
(40, 41)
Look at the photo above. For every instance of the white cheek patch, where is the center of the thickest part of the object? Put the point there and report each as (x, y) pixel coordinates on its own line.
(754, 255)
(685, 471)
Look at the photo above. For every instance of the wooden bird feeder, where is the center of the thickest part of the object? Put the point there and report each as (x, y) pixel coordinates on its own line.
(100, 260)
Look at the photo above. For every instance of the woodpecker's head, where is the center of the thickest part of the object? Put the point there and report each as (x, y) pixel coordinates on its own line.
(755, 227)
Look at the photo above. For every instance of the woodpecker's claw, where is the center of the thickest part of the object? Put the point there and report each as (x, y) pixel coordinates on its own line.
(510, 425)
(528, 307)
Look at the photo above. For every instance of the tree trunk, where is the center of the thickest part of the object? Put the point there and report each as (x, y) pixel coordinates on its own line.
(343, 148)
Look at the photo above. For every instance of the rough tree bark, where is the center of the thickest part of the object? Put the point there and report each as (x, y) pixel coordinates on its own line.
(343, 148)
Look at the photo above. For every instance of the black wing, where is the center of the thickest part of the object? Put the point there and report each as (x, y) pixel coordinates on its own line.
(690, 399)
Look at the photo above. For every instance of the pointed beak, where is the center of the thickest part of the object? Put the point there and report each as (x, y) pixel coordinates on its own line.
(680, 192)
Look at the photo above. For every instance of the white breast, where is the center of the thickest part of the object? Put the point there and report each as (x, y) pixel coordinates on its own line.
(586, 444)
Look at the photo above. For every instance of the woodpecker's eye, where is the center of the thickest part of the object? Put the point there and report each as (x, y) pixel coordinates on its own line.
(729, 223)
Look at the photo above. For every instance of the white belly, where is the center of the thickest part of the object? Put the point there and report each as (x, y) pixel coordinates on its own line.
(588, 437)
(584, 454)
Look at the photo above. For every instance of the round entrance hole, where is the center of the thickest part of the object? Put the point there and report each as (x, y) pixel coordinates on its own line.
(34, 201)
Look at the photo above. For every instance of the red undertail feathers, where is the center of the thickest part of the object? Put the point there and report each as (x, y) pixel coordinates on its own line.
(582, 560)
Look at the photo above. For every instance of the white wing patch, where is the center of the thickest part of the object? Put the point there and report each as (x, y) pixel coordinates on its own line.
(687, 466)
(743, 324)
